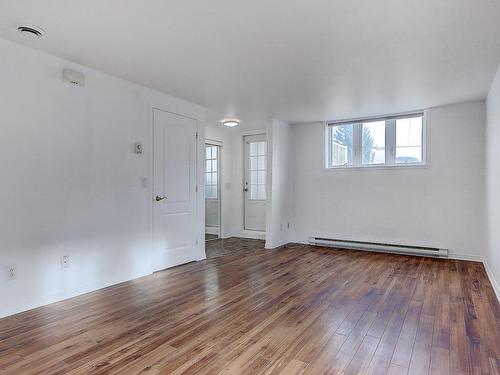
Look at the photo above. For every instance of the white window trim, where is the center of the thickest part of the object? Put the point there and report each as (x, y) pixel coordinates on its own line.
(390, 144)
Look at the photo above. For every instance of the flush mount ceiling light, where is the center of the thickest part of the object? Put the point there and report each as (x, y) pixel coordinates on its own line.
(31, 31)
(231, 123)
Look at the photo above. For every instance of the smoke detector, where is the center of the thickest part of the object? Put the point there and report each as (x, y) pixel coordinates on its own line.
(74, 77)
(31, 31)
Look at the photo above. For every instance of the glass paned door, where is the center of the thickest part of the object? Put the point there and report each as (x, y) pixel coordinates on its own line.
(255, 183)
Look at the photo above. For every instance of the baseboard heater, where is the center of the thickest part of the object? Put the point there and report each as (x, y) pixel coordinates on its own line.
(380, 247)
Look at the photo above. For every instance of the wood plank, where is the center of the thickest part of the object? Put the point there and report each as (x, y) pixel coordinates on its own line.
(406, 341)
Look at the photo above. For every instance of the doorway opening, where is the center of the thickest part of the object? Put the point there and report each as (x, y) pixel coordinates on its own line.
(212, 191)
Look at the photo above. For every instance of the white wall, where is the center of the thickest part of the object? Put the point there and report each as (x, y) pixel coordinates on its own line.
(278, 204)
(71, 184)
(493, 182)
(442, 205)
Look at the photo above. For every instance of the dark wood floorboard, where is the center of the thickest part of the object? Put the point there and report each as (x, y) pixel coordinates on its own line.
(295, 310)
(233, 245)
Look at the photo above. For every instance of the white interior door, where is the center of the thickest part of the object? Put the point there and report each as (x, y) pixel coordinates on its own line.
(255, 182)
(174, 191)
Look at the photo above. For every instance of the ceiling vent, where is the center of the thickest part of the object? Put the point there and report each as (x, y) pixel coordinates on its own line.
(31, 30)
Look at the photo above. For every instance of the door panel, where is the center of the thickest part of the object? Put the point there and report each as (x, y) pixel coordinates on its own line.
(212, 213)
(174, 224)
(177, 229)
(255, 216)
(255, 182)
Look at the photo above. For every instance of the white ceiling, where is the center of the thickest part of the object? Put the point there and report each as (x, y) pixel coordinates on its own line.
(295, 60)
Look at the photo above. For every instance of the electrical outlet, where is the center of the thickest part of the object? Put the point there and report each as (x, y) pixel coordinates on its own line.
(65, 261)
(12, 272)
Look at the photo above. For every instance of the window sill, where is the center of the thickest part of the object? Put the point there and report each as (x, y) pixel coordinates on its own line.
(371, 167)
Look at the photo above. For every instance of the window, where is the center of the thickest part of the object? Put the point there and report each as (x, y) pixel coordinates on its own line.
(211, 177)
(409, 140)
(386, 141)
(373, 144)
(341, 147)
(257, 170)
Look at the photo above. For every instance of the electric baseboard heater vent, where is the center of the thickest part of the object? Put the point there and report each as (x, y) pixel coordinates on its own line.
(380, 247)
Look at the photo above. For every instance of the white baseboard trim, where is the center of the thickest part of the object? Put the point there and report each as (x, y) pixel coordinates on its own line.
(493, 281)
(276, 244)
(60, 296)
(26, 305)
(251, 235)
(468, 257)
(300, 241)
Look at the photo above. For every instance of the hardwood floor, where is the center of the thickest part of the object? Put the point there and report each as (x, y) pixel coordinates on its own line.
(296, 310)
(233, 245)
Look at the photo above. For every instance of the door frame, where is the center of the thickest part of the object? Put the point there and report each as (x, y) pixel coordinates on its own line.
(219, 144)
(199, 209)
